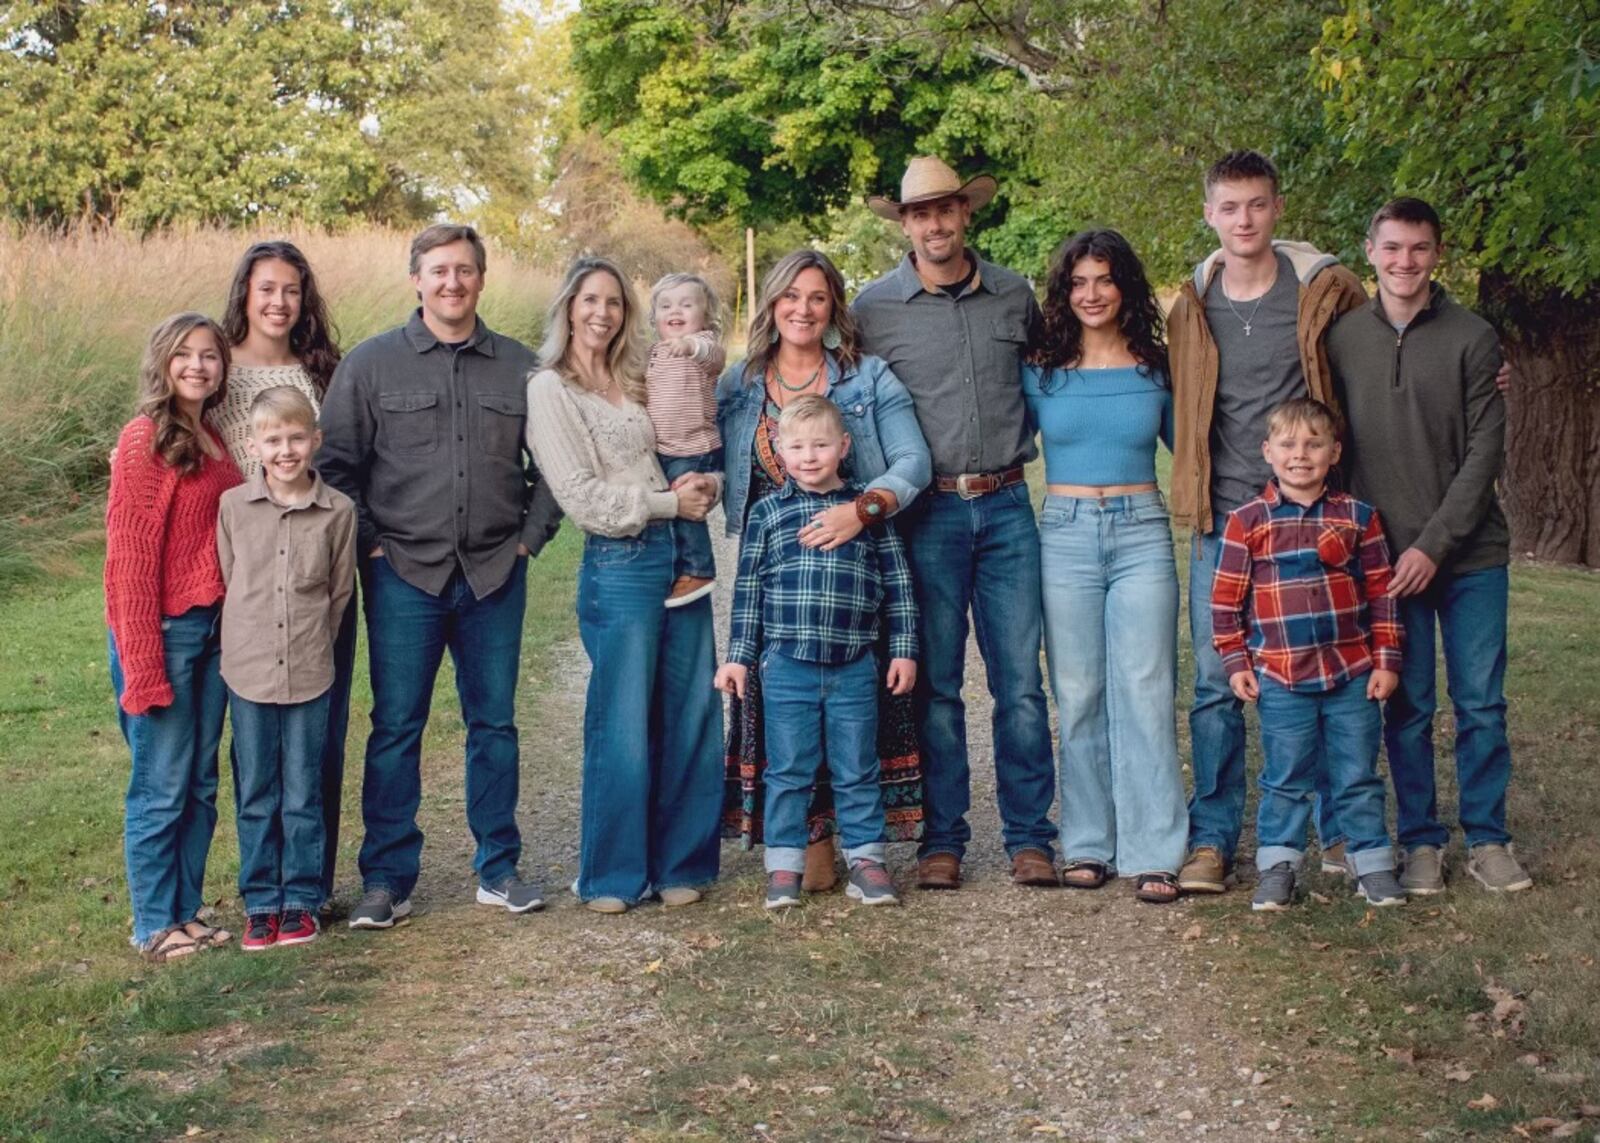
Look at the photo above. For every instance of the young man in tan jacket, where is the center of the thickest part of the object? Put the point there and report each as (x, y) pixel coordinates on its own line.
(1245, 334)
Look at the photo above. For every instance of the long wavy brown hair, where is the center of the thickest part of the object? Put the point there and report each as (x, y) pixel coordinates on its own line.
(313, 340)
(176, 442)
(763, 347)
(1060, 340)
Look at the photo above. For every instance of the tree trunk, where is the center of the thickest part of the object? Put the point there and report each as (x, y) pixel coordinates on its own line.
(1551, 487)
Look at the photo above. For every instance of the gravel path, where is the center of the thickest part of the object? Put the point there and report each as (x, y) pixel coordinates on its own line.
(1066, 1014)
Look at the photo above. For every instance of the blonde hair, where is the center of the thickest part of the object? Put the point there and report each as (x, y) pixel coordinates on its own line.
(176, 442)
(763, 330)
(282, 405)
(809, 408)
(673, 281)
(1303, 411)
(625, 356)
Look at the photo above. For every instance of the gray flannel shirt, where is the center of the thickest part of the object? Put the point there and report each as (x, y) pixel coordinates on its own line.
(428, 442)
(961, 360)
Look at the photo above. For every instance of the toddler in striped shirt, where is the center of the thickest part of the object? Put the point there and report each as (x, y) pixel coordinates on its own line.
(681, 392)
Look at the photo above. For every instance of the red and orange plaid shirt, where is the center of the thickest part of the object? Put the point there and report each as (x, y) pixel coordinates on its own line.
(1315, 581)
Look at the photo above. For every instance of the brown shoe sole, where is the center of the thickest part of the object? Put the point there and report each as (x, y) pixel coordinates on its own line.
(938, 876)
(1193, 886)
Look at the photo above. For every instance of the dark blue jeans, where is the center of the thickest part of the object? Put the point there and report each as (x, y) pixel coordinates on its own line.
(344, 669)
(277, 790)
(408, 631)
(692, 538)
(1470, 614)
(812, 709)
(171, 807)
(652, 725)
(1216, 725)
(1335, 732)
(981, 554)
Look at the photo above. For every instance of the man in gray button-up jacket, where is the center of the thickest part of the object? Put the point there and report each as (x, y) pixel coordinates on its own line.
(423, 429)
(954, 329)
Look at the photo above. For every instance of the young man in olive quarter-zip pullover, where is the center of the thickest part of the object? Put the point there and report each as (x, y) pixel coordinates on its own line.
(1415, 373)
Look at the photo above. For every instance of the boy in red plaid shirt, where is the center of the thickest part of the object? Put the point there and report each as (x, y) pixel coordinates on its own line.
(1311, 567)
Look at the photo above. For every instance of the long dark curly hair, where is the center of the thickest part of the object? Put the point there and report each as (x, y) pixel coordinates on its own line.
(1060, 340)
(313, 340)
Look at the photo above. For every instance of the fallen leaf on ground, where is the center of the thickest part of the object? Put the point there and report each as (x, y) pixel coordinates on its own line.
(1484, 1102)
(1542, 1123)
(1321, 898)
(1567, 1130)
(1049, 1129)
(820, 1089)
(653, 966)
(1193, 933)
(880, 1062)
(1321, 946)
(1531, 1060)
(192, 1130)
(1589, 1110)
(1367, 918)
(1406, 1057)
(1458, 1075)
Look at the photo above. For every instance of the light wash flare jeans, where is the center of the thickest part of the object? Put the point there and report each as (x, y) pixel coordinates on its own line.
(1110, 588)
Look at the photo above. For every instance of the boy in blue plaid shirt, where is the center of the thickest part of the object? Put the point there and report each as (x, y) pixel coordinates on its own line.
(814, 613)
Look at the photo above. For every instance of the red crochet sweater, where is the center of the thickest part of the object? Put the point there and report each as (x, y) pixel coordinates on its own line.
(161, 555)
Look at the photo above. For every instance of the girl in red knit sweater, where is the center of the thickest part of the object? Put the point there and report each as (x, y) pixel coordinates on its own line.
(163, 596)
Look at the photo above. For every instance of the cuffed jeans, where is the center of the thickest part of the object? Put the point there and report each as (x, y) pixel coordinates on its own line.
(1337, 732)
(171, 807)
(692, 538)
(1470, 612)
(408, 631)
(981, 554)
(812, 710)
(1111, 639)
(277, 788)
(652, 725)
(1216, 724)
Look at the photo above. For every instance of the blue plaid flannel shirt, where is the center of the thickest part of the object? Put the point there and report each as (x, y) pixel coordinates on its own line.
(816, 606)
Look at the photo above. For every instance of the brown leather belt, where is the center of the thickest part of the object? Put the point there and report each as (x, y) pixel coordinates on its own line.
(971, 485)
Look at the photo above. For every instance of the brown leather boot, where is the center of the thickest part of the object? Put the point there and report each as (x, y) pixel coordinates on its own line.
(1033, 867)
(939, 871)
(821, 874)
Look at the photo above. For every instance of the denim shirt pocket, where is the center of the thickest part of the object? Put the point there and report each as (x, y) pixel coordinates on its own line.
(410, 421)
(501, 417)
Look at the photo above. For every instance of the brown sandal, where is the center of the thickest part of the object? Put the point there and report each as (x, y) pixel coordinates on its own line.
(172, 944)
(1156, 888)
(204, 935)
(1085, 874)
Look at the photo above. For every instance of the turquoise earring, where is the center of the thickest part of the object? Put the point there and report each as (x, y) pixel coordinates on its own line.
(830, 337)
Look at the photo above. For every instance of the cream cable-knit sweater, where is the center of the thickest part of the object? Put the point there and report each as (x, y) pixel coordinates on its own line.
(599, 458)
(231, 419)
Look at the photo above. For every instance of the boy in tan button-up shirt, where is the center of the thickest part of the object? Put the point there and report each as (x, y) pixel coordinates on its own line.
(287, 544)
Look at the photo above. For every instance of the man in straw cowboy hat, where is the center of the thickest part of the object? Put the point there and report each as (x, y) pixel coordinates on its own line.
(954, 328)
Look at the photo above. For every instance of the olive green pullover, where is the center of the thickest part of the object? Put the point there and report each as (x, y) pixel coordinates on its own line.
(1427, 428)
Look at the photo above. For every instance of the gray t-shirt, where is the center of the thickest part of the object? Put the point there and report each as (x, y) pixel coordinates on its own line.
(1255, 372)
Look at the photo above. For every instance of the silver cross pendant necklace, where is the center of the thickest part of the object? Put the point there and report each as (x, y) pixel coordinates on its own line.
(1244, 321)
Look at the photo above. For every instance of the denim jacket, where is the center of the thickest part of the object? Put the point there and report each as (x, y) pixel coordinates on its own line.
(887, 450)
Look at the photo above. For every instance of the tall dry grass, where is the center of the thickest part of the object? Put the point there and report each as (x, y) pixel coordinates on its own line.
(76, 307)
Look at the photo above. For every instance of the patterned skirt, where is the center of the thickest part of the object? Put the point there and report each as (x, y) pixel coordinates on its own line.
(899, 770)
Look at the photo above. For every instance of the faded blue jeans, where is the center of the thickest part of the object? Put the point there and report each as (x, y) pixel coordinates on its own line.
(1335, 732)
(1470, 613)
(812, 710)
(408, 631)
(1216, 725)
(171, 807)
(277, 789)
(1111, 638)
(981, 554)
(652, 725)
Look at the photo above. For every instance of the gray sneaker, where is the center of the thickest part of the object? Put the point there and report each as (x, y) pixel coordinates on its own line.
(1422, 871)
(1274, 889)
(1497, 869)
(870, 884)
(378, 909)
(783, 889)
(512, 894)
(1381, 888)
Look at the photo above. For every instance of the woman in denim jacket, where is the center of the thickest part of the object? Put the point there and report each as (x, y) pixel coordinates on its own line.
(803, 341)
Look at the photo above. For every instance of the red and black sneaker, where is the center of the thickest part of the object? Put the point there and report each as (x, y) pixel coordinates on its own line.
(261, 933)
(298, 927)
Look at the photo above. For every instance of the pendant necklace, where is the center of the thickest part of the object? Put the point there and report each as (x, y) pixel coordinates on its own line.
(1244, 321)
(800, 388)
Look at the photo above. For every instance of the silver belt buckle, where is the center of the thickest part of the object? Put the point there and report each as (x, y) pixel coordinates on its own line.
(963, 487)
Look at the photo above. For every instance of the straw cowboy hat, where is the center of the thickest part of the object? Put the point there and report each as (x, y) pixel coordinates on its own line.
(927, 179)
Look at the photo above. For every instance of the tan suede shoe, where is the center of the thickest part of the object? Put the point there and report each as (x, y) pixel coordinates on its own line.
(1204, 872)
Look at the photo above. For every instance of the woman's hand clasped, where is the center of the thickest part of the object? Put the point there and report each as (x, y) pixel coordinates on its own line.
(831, 529)
(696, 494)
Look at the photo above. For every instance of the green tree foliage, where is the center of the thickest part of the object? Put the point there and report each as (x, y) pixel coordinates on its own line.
(327, 110)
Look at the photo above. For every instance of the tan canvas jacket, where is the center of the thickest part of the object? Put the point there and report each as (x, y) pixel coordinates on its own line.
(1327, 290)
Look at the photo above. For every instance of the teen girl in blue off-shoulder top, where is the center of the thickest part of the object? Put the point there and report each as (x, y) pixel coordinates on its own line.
(1097, 391)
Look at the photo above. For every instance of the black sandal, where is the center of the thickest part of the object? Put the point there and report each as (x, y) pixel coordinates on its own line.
(1142, 888)
(1099, 873)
